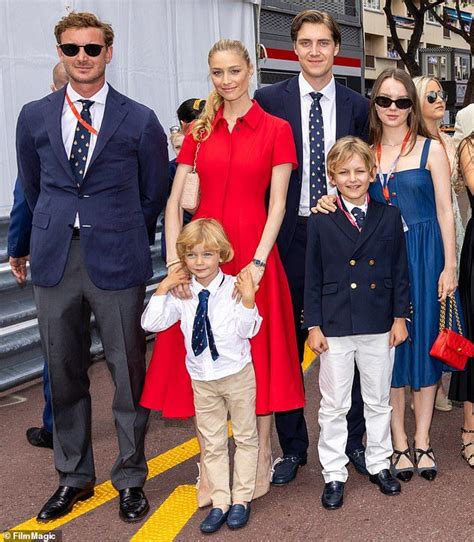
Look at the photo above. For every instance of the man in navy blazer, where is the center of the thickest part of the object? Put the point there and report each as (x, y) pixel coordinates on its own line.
(94, 168)
(19, 233)
(316, 38)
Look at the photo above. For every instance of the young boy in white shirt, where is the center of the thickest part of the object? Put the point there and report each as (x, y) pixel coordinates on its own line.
(216, 329)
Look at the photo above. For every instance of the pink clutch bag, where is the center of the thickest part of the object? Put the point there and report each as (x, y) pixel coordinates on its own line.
(191, 193)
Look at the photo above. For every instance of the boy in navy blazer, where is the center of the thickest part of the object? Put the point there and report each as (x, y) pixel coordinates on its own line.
(355, 303)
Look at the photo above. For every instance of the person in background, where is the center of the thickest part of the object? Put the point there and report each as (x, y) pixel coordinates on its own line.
(464, 125)
(462, 383)
(19, 234)
(433, 106)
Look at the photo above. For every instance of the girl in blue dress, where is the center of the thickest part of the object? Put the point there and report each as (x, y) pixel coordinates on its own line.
(414, 175)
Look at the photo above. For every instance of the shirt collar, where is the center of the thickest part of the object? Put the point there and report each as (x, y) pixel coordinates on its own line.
(212, 287)
(99, 97)
(329, 91)
(252, 117)
(349, 206)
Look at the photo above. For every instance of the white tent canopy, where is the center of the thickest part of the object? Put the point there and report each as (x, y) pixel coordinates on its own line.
(160, 55)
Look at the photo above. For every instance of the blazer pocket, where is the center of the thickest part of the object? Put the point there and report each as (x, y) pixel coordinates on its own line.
(136, 220)
(41, 220)
(330, 288)
(388, 283)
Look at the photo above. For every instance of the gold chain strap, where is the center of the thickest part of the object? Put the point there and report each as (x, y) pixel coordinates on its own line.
(453, 307)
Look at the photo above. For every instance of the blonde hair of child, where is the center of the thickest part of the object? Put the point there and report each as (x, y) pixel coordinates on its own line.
(208, 232)
(344, 149)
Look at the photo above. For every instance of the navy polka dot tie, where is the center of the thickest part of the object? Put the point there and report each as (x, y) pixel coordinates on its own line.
(80, 144)
(317, 171)
(359, 215)
(202, 333)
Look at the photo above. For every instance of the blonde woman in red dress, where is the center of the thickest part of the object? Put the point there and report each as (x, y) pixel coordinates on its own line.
(245, 155)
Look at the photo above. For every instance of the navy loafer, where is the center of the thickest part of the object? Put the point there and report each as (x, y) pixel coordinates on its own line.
(357, 458)
(238, 516)
(214, 521)
(333, 495)
(285, 469)
(387, 483)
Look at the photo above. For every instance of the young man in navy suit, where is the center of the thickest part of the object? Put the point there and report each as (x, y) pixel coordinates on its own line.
(94, 168)
(356, 300)
(313, 95)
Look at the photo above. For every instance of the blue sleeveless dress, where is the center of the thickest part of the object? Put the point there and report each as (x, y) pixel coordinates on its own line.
(412, 192)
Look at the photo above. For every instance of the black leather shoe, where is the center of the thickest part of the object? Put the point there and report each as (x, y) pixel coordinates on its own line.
(62, 501)
(38, 436)
(357, 458)
(133, 504)
(333, 495)
(387, 483)
(214, 521)
(238, 516)
(285, 469)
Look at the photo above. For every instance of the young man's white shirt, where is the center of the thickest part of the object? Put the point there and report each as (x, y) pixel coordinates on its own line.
(328, 108)
(232, 326)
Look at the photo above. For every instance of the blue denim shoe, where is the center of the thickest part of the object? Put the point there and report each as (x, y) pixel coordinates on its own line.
(238, 516)
(214, 521)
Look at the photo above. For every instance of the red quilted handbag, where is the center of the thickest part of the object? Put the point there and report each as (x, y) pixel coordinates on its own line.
(451, 347)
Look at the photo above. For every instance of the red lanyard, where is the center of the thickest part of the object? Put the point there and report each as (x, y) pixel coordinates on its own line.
(349, 216)
(86, 125)
(393, 167)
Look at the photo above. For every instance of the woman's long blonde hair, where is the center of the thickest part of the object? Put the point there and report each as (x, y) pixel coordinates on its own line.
(202, 127)
(421, 84)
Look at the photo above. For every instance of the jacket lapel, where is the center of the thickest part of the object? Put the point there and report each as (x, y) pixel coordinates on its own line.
(374, 214)
(341, 221)
(343, 112)
(52, 113)
(115, 112)
(291, 102)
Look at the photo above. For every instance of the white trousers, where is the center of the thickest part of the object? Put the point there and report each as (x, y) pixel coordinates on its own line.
(374, 360)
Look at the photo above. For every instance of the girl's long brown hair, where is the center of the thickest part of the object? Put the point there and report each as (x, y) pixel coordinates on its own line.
(415, 121)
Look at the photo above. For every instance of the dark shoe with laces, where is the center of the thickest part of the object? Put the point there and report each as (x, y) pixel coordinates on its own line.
(333, 495)
(62, 502)
(285, 469)
(387, 483)
(133, 504)
(214, 521)
(428, 473)
(357, 458)
(38, 436)
(238, 516)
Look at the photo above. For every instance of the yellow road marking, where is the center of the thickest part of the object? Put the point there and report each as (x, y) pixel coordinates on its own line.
(165, 524)
(105, 492)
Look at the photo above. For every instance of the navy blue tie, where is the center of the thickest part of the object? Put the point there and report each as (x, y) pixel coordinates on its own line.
(80, 144)
(202, 332)
(317, 171)
(359, 215)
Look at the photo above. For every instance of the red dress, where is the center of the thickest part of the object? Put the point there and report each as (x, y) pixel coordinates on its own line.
(235, 171)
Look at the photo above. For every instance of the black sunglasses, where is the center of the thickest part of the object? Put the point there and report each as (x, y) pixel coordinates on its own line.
(432, 96)
(91, 49)
(401, 103)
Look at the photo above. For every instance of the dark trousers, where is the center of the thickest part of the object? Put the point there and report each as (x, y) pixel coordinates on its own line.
(62, 312)
(291, 426)
(48, 407)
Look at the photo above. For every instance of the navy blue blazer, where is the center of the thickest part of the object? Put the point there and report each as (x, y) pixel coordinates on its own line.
(119, 200)
(19, 228)
(283, 100)
(356, 283)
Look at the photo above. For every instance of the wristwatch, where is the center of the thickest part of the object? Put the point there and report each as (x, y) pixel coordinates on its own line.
(258, 263)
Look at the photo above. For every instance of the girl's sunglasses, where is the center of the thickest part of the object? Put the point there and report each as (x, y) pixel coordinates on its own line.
(400, 103)
(432, 96)
(91, 49)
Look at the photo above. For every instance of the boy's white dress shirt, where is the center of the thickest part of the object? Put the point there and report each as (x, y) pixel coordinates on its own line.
(232, 326)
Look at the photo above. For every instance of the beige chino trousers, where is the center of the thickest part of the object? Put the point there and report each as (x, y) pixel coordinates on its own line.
(213, 401)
